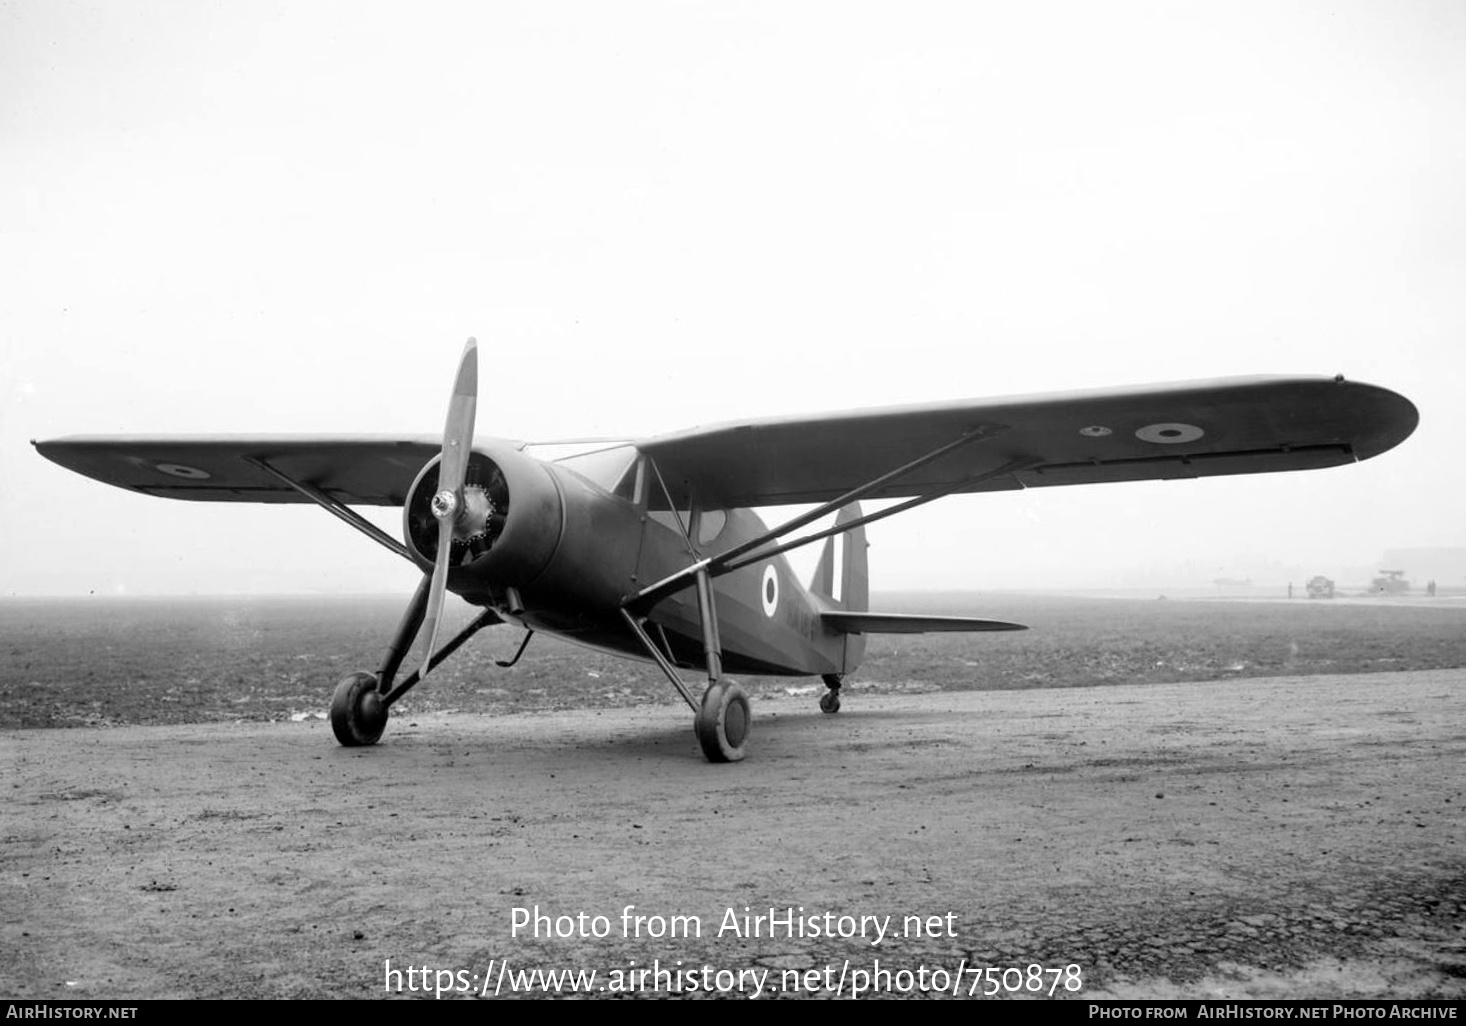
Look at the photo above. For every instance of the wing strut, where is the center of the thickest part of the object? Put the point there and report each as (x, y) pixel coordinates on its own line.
(335, 507)
(1011, 467)
(727, 562)
(672, 506)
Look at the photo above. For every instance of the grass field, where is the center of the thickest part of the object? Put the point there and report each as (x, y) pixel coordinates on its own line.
(79, 662)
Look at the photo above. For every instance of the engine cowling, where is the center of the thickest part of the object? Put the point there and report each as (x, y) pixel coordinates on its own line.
(508, 526)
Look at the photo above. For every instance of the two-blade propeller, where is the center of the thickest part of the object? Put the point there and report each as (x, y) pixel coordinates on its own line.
(448, 504)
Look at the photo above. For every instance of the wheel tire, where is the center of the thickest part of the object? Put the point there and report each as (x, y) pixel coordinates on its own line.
(723, 723)
(830, 702)
(357, 714)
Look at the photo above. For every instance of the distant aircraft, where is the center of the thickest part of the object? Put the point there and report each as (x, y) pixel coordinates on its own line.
(650, 549)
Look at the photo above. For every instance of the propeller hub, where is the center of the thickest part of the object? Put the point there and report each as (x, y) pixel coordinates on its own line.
(444, 504)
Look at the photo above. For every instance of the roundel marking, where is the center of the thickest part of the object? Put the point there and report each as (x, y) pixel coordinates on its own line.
(183, 471)
(1095, 431)
(769, 590)
(1169, 434)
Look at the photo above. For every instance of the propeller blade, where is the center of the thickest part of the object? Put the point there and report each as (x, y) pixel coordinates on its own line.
(458, 429)
(447, 504)
(436, 594)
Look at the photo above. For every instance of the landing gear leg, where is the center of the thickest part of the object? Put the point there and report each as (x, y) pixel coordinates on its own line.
(359, 707)
(358, 714)
(830, 700)
(724, 718)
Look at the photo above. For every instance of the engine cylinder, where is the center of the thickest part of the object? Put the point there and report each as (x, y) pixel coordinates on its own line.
(506, 530)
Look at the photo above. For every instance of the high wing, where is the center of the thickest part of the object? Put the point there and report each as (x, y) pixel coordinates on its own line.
(363, 470)
(1173, 431)
(1187, 430)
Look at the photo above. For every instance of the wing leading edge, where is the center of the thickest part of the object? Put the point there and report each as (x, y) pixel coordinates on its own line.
(1175, 431)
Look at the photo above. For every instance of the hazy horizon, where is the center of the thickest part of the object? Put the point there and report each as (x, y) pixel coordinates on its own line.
(231, 218)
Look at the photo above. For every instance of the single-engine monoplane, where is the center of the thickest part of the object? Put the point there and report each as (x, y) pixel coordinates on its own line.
(652, 549)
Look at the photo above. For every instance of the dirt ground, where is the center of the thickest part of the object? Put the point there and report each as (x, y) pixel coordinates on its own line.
(1284, 837)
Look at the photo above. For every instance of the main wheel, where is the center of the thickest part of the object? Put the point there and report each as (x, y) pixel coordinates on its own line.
(723, 722)
(357, 714)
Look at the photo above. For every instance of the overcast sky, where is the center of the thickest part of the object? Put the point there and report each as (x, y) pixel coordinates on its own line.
(252, 217)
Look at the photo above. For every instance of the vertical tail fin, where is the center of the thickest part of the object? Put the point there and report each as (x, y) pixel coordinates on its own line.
(842, 580)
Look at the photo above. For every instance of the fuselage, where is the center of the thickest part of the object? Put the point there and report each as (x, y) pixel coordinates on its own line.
(572, 544)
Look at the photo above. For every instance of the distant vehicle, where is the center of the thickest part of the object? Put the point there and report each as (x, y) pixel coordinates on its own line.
(1390, 582)
(1320, 587)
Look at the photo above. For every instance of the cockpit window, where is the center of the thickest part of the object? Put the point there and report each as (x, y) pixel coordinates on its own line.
(710, 524)
(604, 467)
(668, 518)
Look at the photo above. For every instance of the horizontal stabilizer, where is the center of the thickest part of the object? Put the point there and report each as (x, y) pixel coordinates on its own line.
(903, 623)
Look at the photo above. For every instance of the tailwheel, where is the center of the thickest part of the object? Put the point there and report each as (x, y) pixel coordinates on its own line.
(830, 700)
(358, 716)
(723, 722)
